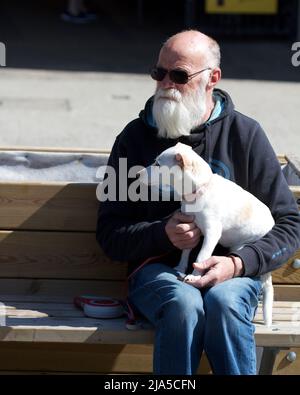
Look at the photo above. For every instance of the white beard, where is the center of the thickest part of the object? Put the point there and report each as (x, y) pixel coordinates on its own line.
(177, 115)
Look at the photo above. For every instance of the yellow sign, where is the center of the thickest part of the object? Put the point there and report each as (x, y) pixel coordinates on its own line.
(241, 6)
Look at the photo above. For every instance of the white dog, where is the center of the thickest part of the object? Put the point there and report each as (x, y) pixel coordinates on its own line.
(224, 212)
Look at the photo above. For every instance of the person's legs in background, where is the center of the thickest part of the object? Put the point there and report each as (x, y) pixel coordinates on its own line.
(77, 12)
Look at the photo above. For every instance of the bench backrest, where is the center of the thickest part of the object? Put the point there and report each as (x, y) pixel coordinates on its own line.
(47, 241)
(48, 245)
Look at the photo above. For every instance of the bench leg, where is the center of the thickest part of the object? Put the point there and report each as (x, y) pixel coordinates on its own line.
(268, 359)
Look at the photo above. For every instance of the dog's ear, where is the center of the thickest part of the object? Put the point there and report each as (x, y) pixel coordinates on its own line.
(183, 160)
(179, 160)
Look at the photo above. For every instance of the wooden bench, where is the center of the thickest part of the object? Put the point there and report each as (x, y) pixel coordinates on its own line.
(49, 254)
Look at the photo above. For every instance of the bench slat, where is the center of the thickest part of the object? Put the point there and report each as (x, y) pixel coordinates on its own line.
(72, 255)
(76, 255)
(72, 313)
(57, 290)
(287, 274)
(53, 206)
(75, 357)
(287, 292)
(73, 330)
(48, 206)
(114, 332)
(30, 322)
(63, 291)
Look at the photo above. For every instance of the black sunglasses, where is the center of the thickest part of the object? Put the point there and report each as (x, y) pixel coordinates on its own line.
(177, 76)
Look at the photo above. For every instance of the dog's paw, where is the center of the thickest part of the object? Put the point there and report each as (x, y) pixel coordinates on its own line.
(190, 278)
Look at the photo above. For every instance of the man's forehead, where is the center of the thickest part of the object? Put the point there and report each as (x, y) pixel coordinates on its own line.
(179, 54)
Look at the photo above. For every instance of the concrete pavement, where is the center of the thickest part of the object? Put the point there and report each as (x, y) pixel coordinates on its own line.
(88, 110)
(78, 86)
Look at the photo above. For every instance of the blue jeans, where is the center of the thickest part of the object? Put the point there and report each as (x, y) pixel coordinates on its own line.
(187, 321)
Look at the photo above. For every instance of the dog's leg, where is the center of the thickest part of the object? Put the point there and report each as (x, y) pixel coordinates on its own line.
(184, 260)
(211, 237)
(268, 297)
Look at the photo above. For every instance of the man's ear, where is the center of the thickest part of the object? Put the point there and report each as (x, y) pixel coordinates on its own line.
(214, 78)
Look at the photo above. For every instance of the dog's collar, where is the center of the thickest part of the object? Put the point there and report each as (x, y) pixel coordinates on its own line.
(191, 197)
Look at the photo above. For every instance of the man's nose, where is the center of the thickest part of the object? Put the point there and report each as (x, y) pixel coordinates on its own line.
(166, 82)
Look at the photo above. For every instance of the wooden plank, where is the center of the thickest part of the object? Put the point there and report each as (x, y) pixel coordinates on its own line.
(68, 309)
(282, 159)
(296, 192)
(285, 311)
(280, 315)
(25, 254)
(55, 149)
(41, 313)
(42, 306)
(84, 358)
(77, 255)
(282, 311)
(63, 291)
(48, 206)
(287, 274)
(73, 330)
(281, 334)
(58, 358)
(53, 358)
(282, 304)
(60, 299)
(52, 206)
(287, 292)
(63, 325)
(294, 161)
(36, 290)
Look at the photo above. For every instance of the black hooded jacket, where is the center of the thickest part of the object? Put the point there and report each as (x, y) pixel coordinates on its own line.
(237, 148)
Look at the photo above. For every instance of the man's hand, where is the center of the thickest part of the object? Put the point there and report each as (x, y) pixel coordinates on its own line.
(182, 231)
(218, 269)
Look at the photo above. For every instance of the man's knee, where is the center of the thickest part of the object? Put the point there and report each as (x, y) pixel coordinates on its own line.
(184, 305)
(227, 300)
(157, 293)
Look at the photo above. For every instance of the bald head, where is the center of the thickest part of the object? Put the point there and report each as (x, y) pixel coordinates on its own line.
(194, 45)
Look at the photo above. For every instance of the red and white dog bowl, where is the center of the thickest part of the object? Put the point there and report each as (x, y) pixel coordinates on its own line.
(99, 306)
